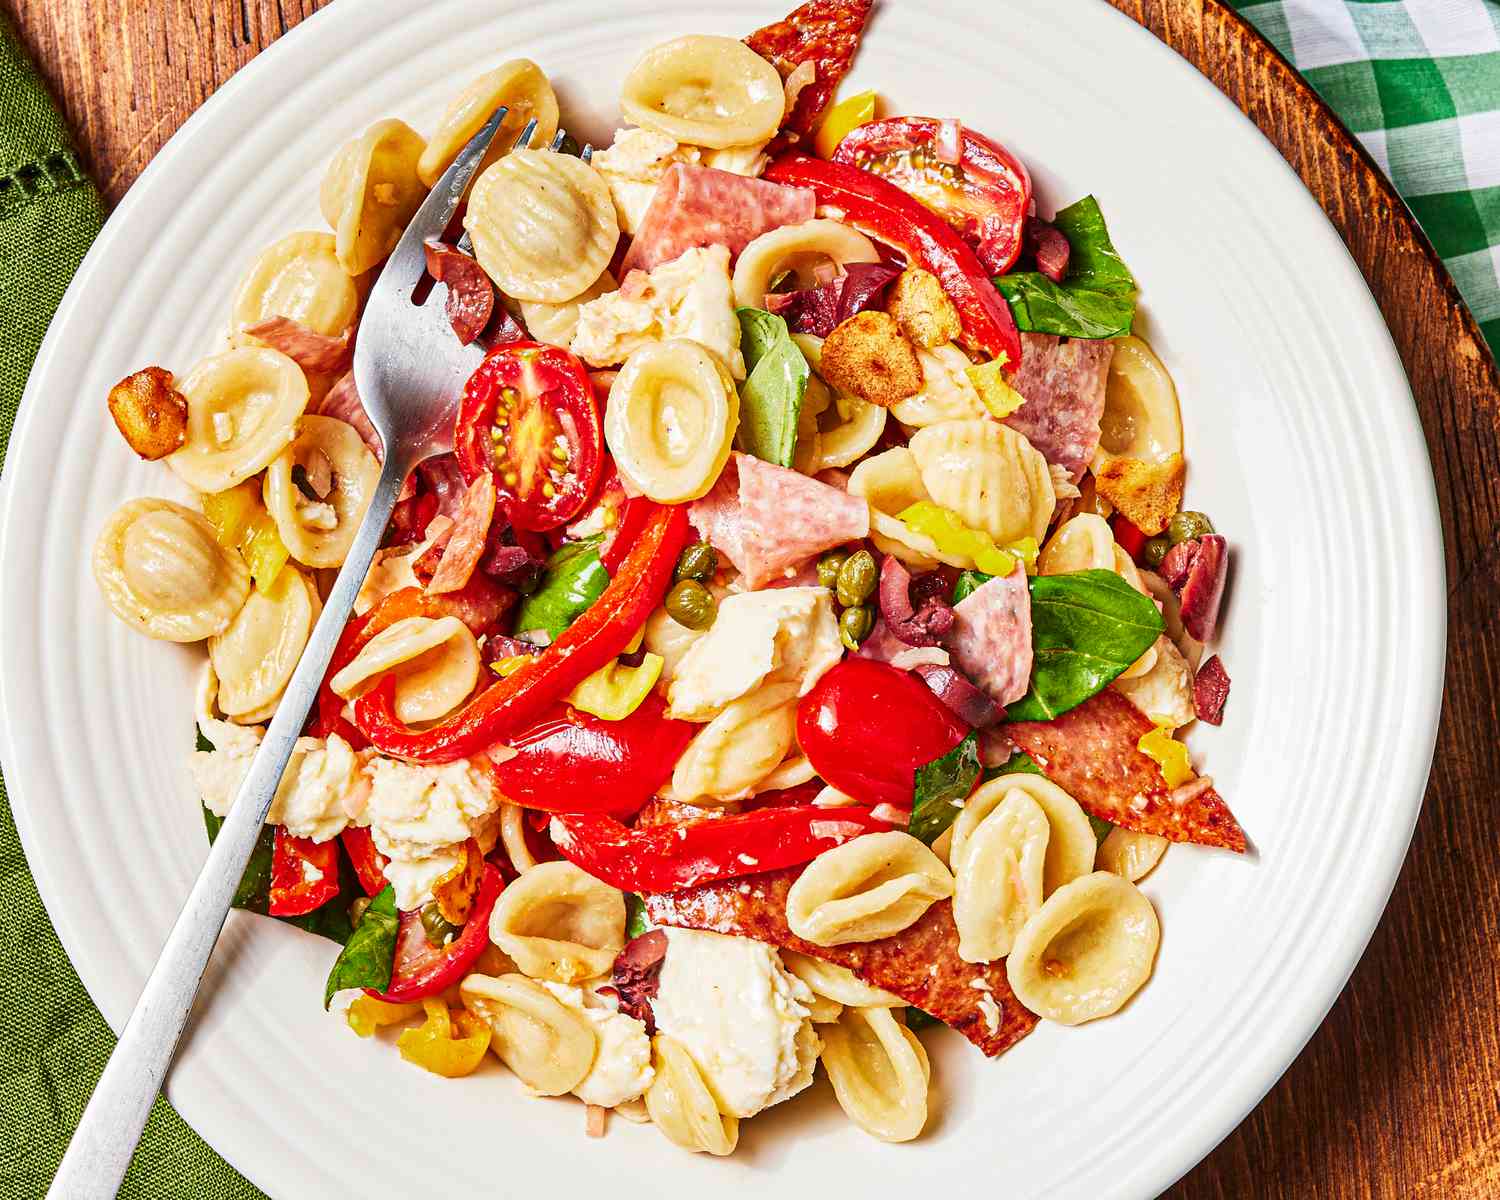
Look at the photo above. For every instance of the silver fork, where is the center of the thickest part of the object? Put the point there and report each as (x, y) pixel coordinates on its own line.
(409, 369)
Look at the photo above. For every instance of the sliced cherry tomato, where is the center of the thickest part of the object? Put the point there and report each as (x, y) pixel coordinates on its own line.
(572, 762)
(304, 874)
(369, 863)
(983, 192)
(867, 726)
(422, 969)
(529, 415)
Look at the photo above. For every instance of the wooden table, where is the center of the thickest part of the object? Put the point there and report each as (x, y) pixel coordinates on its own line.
(1398, 1094)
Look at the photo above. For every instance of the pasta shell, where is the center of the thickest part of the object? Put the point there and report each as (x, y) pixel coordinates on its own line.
(1070, 838)
(845, 427)
(869, 888)
(669, 641)
(521, 86)
(354, 474)
(998, 878)
(739, 747)
(681, 1105)
(1086, 952)
(298, 277)
(513, 838)
(243, 408)
(837, 983)
(706, 90)
(1082, 543)
(671, 419)
(1130, 855)
(891, 483)
(548, 1045)
(799, 249)
(879, 1071)
(1164, 691)
(162, 571)
(948, 394)
(989, 474)
(256, 655)
(436, 662)
(560, 923)
(555, 324)
(370, 193)
(543, 225)
(1141, 415)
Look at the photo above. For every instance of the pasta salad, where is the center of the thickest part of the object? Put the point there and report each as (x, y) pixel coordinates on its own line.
(793, 651)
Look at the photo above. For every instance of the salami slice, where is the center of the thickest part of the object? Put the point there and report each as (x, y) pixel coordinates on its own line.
(716, 517)
(920, 964)
(785, 517)
(466, 540)
(700, 206)
(1091, 753)
(344, 404)
(310, 350)
(471, 295)
(1063, 383)
(991, 636)
(824, 33)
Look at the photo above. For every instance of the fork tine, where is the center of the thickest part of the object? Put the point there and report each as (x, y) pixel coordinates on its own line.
(465, 243)
(524, 140)
(557, 142)
(588, 152)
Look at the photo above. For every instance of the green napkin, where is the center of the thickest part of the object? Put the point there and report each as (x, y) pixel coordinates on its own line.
(54, 1042)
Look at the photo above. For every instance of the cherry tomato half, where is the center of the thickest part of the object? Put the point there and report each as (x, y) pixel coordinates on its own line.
(984, 195)
(422, 969)
(369, 863)
(867, 726)
(304, 874)
(529, 416)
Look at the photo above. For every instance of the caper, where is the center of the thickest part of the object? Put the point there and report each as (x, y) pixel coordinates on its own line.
(699, 561)
(1185, 526)
(829, 567)
(439, 930)
(1155, 550)
(691, 604)
(856, 579)
(855, 624)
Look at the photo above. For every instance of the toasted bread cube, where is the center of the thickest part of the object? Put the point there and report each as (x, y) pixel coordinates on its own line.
(1147, 493)
(868, 357)
(923, 310)
(149, 413)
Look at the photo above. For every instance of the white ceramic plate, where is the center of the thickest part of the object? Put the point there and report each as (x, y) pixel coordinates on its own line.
(1304, 447)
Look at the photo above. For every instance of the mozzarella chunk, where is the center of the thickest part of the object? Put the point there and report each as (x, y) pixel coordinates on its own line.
(1165, 692)
(622, 1062)
(743, 1018)
(689, 297)
(780, 635)
(633, 165)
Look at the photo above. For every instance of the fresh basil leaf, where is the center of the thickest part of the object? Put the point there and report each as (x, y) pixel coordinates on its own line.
(917, 1020)
(369, 955)
(1100, 825)
(1096, 298)
(636, 920)
(254, 891)
(968, 583)
(1086, 628)
(771, 396)
(1019, 763)
(940, 787)
(573, 580)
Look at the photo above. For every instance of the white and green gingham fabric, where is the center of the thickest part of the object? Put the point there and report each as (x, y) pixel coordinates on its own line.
(1418, 82)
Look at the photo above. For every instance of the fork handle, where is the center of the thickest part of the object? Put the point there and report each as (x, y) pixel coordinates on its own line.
(106, 1137)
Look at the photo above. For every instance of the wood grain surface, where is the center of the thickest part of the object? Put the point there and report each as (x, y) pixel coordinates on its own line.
(1398, 1094)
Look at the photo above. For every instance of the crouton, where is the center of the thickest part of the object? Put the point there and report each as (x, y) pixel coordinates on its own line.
(455, 891)
(1147, 493)
(923, 310)
(150, 415)
(868, 357)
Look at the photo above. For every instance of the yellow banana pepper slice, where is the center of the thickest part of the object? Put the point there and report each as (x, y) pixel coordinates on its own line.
(952, 536)
(241, 522)
(990, 382)
(1167, 753)
(367, 1014)
(450, 1044)
(842, 117)
(613, 692)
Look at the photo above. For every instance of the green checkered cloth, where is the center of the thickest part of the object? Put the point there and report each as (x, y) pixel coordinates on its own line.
(1418, 82)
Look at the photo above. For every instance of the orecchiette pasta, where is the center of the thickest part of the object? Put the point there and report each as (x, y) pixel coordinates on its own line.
(794, 772)
(256, 655)
(837, 983)
(672, 415)
(997, 878)
(560, 923)
(1171, 612)
(681, 1105)
(669, 641)
(370, 192)
(948, 394)
(1070, 838)
(243, 407)
(435, 660)
(709, 91)
(1141, 417)
(1086, 952)
(1130, 855)
(162, 572)
(298, 277)
(869, 888)
(739, 747)
(800, 249)
(1165, 689)
(842, 428)
(556, 324)
(891, 483)
(521, 86)
(548, 1045)
(513, 837)
(879, 1071)
(543, 225)
(319, 530)
(987, 473)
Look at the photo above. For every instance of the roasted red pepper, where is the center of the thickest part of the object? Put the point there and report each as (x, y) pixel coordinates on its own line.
(632, 516)
(671, 858)
(422, 969)
(369, 863)
(304, 874)
(522, 698)
(1131, 539)
(886, 213)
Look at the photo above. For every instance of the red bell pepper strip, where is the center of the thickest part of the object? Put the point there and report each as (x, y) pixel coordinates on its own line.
(886, 213)
(422, 969)
(369, 863)
(633, 515)
(304, 874)
(672, 858)
(523, 697)
(1131, 539)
